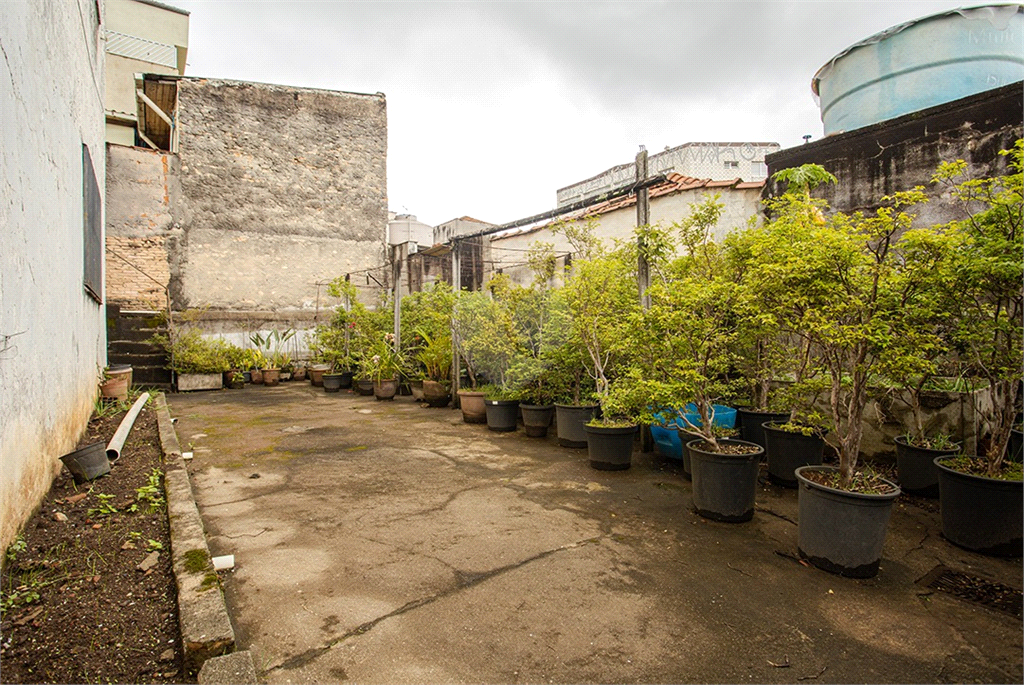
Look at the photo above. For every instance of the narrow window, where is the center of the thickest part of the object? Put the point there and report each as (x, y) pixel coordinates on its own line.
(92, 228)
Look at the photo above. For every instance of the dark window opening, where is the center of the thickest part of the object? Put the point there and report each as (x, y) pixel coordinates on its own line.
(92, 231)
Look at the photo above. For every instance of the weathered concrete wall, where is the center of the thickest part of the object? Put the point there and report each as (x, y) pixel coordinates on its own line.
(508, 252)
(52, 334)
(143, 193)
(902, 153)
(282, 188)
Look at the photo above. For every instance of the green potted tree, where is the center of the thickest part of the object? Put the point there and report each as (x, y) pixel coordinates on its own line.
(384, 367)
(602, 294)
(682, 352)
(841, 275)
(981, 496)
(435, 354)
(471, 313)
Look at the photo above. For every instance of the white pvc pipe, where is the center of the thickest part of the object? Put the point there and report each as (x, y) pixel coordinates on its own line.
(117, 442)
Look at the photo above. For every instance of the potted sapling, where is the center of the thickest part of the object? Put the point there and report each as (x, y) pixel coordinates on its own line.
(980, 495)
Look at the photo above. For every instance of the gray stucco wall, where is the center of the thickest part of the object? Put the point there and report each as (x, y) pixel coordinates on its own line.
(281, 188)
(902, 153)
(50, 105)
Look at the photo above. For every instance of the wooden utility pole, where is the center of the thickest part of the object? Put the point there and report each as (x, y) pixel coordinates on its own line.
(396, 279)
(643, 270)
(643, 218)
(456, 288)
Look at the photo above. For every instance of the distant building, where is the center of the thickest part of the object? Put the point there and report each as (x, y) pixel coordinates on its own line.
(142, 36)
(714, 161)
(670, 202)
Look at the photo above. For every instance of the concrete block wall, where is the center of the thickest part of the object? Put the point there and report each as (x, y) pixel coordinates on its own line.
(281, 188)
(52, 333)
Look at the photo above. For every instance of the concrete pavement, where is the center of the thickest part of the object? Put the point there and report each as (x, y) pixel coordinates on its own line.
(385, 542)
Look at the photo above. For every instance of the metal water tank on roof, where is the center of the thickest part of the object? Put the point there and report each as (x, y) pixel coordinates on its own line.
(921, 64)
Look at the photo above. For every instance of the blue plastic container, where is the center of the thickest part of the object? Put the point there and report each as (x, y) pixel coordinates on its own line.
(667, 441)
(920, 64)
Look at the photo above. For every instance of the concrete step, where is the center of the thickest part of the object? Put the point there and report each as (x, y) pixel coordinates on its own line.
(151, 375)
(133, 347)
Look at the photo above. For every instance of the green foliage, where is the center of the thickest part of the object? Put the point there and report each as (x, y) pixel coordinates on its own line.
(803, 179)
(382, 361)
(271, 347)
(190, 352)
(984, 279)
(353, 334)
(680, 349)
(151, 494)
(15, 548)
(105, 508)
(435, 354)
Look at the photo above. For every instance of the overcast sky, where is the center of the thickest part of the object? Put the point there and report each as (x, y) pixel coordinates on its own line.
(493, 106)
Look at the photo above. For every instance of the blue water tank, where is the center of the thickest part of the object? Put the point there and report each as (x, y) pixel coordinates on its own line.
(921, 64)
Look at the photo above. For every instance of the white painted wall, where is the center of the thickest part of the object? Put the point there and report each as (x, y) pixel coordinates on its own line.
(509, 252)
(51, 103)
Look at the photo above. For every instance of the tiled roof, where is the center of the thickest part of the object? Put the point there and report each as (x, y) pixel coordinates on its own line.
(674, 183)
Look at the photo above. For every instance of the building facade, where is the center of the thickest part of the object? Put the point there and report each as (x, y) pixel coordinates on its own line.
(714, 161)
(142, 36)
(273, 192)
(670, 202)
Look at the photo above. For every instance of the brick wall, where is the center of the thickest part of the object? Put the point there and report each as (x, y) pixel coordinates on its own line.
(137, 272)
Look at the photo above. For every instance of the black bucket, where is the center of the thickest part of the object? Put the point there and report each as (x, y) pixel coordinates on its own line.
(87, 463)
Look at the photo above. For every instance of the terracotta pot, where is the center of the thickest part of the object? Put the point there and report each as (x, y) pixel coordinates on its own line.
(385, 389)
(271, 376)
(473, 408)
(436, 394)
(115, 388)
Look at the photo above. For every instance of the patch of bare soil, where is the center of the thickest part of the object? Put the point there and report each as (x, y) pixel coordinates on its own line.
(88, 589)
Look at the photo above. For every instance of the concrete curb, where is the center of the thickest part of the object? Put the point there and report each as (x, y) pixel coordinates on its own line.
(206, 630)
(237, 667)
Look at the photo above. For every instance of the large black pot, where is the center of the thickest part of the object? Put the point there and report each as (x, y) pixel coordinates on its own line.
(724, 485)
(916, 467)
(979, 513)
(1016, 447)
(788, 451)
(610, 449)
(364, 386)
(332, 381)
(838, 531)
(537, 418)
(502, 415)
(685, 437)
(750, 424)
(571, 420)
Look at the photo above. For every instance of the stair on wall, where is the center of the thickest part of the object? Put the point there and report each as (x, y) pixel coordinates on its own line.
(128, 333)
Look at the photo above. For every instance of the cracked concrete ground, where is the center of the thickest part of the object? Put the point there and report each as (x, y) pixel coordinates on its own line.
(385, 542)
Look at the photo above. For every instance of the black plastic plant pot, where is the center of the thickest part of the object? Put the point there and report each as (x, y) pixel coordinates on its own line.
(570, 423)
(502, 415)
(686, 437)
(87, 463)
(610, 449)
(839, 531)
(750, 424)
(916, 467)
(981, 514)
(346, 379)
(332, 382)
(724, 485)
(1016, 448)
(364, 387)
(787, 451)
(537, 418)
